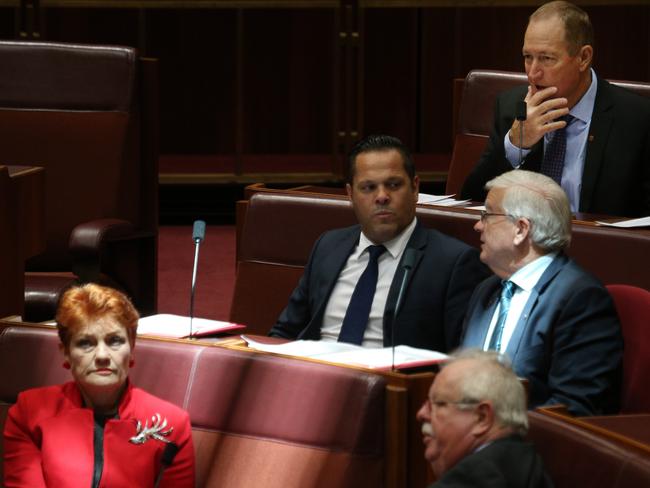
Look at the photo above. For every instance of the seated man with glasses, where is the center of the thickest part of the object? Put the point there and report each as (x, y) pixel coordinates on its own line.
(473, 424)
(554, 320)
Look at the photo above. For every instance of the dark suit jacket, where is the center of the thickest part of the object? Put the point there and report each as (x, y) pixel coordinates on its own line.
(616, 176)
(445, 274)
(508, 462)
(567, 342)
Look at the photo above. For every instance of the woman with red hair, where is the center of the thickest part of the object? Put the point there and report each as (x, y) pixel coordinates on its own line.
(98, 430)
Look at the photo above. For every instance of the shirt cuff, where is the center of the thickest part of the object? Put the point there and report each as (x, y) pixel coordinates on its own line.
(512, 152)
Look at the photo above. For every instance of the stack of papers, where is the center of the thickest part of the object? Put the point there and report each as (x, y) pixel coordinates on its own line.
(350, 354)
(440, 200)
(627, 224)
(177, 326)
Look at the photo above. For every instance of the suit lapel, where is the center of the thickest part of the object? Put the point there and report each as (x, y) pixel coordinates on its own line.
(518, 334)
(417, 242)
(331, 265)
(601, 123)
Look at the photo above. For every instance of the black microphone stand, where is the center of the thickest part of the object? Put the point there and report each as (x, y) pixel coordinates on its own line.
(198, 235)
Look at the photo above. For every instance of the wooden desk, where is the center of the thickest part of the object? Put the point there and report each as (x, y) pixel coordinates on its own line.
(22, 216)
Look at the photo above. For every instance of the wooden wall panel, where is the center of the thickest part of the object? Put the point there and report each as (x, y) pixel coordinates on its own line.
(288, 63)
(197, 50)
(390, 81)
(274, 84)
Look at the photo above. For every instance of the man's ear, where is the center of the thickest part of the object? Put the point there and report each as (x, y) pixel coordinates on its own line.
(416, 187)
(522, 232)
(348, 189)
(586, 55)
(484, 418)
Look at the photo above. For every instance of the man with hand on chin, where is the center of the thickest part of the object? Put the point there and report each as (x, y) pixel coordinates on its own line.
(591, 137)
(473, 423)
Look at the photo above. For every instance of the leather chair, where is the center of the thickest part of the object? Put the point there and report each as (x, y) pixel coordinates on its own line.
(87, 114)
(633, 307)
(574, 456)
(475, 117)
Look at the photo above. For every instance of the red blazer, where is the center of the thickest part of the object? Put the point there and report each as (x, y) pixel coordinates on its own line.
(49, 442)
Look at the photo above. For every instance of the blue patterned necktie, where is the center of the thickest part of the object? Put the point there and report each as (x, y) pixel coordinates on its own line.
(504, 305)
(553, 161)
(356, 316)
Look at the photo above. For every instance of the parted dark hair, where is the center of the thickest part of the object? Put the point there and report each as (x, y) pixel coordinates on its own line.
(81, 304)
(380, 142)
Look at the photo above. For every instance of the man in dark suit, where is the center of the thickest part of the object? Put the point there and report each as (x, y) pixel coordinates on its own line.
(603, 162)
(555, 321)
(473, 423)
(383, 189)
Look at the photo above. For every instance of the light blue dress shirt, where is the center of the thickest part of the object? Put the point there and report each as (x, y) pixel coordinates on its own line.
(577, 134)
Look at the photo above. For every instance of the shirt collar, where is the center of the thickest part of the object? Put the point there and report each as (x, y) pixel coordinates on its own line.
(395, 246)
(585, 107)
(527, 277)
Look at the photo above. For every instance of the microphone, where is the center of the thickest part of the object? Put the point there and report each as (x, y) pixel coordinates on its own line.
(171, 449)
(407, 264)
(198, 234)
(521, 113)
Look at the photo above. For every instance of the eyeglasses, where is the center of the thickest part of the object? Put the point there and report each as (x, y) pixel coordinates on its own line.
(434, 405)
(485, 214)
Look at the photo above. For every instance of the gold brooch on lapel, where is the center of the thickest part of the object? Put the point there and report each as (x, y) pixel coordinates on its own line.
(156, 431)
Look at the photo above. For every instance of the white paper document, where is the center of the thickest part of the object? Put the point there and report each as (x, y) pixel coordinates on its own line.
(344, 353)
(628, 224)
(168, 325)
(440, 200)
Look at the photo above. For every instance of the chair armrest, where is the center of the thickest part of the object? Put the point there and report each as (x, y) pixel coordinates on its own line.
(88, 238)
(89, 243)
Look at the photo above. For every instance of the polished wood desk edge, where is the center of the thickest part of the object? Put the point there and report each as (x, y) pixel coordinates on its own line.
(560, 413)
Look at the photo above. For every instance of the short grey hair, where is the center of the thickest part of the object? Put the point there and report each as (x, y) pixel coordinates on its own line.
(492, 379)
(542, 201)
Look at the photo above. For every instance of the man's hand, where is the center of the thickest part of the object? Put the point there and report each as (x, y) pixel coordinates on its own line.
(542, 112)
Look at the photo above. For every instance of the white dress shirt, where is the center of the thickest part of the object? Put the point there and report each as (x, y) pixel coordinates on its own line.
(526, 278)
(347, 281)
(577, 134)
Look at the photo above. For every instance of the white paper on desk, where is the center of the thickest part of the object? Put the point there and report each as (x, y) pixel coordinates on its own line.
(169, 325)
(304, 349)
(440, 200)
(432, 199)
(452, 203)
(627, 224)
(351, 354)
(405, 356)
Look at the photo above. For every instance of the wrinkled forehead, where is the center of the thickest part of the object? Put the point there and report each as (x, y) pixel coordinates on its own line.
(99, 328)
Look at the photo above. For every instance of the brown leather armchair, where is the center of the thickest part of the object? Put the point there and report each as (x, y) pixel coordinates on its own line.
(87, 114)
(475, 117)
